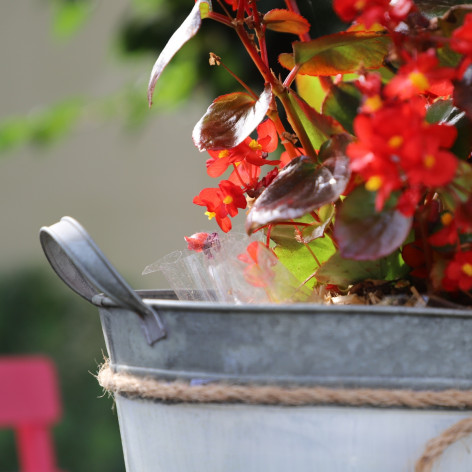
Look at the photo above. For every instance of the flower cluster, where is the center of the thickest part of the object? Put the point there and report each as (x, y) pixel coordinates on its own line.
(361, 154)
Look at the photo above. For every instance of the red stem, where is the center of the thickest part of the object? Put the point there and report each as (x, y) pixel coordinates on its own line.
(220, 18)
(248, 89)
(239, 176)
(269, 231)
(291, 76)
(293, 6)
(282, 223)
(248, 44)
(289, 147)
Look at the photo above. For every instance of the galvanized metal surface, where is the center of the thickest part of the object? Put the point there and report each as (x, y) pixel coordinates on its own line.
(79, 262)
(348, 346)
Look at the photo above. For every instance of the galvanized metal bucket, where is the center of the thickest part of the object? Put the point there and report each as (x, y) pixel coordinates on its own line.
(149, 334)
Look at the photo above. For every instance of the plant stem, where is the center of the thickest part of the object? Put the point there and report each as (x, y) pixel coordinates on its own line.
(250, 48)
(282, 223)
(248, 89)
(239, 177)
(289, 147)
(277, 88)
(223, 7)
(297, 125)
(260, 32)
(293, 6)
(220, 18)
(269, 231)
(306, 245)
(291, 76)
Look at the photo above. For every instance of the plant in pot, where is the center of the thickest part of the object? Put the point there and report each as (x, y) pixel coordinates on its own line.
(374, 181)
(355, 167)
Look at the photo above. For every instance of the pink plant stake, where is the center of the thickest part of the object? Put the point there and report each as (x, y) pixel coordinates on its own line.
(355, 166)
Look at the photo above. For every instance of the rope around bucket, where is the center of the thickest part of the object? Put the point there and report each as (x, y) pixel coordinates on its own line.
(182, 392)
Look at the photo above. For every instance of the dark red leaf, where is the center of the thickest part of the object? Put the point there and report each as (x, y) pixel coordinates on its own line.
(362, 233)
(286, 21)
(301, 186)
(230, 119)
(187, 30)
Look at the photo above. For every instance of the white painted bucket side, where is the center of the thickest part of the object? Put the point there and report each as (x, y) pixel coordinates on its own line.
(257, 438)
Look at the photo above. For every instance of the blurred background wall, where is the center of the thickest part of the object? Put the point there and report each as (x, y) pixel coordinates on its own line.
(77, 138)
(119, 170)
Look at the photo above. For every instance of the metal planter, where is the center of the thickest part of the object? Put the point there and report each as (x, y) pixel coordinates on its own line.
(294, 345)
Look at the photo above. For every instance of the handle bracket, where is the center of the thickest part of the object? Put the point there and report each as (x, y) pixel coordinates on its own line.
(82, 266)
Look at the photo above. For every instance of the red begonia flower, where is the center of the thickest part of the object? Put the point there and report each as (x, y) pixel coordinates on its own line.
(221, 202)
(199, 242)
(447, 234)
(391, 156)
(458, 274)
(413, 255)
(251, 151)
(420, 75)
(368, 12)
(260, 261)
(461, 40)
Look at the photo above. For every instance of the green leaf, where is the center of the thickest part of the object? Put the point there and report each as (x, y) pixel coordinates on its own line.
(285, 235)
(462, 95)
(434, 8)
(342, 103)
(318, 127)
(301, 186)
(452, 15)
(187, 30)
(444, 112)
(311, 90)
(230, 119)
(363, 233)
(286, 21)
(462, 184)
(344, 272)
(317, 229)
(299, 259)
(338, 53)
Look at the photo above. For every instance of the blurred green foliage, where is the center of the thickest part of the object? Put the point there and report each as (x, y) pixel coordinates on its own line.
(40, 315)
(69, 16)
(144, 31)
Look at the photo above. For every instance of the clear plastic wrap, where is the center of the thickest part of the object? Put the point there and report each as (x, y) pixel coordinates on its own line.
(232, 268)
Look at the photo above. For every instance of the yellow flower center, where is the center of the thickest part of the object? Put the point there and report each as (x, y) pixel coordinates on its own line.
(223, 153)
(255, 146)
(467, 269)
(395, 141)
(228, 199)
(210, 214)
(374, 183)
(419, 80)
(360, 4)
(446, 219)
(429, 161)
(373, 103)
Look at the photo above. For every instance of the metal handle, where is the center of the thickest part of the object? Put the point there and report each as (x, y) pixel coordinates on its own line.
(79, 262)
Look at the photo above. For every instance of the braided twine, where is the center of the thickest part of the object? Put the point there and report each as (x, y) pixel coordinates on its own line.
(182, 392)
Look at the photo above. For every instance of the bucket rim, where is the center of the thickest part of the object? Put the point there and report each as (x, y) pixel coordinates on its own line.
(165, 298)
